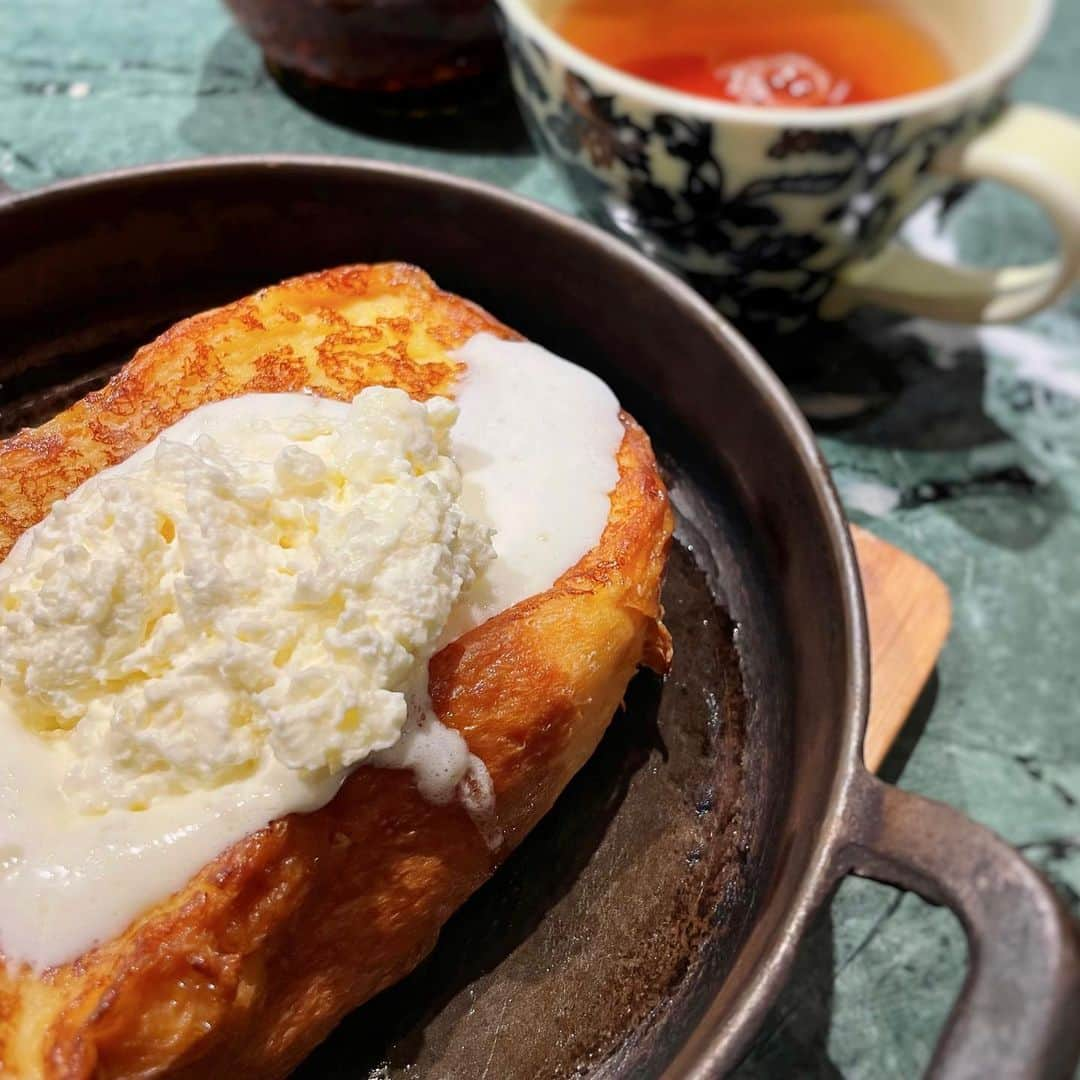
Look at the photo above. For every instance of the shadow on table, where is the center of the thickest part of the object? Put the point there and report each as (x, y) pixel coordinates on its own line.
(871, 381)
(241, 107)
(884, 384)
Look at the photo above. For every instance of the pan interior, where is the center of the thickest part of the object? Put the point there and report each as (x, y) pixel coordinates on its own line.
(601, 940)
(680, 865)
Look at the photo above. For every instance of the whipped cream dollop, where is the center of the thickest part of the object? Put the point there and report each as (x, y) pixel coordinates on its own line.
(212, 634)
(272, 591)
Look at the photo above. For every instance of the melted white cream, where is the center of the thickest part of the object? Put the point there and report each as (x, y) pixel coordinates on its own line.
(536, 443)
(268, 595)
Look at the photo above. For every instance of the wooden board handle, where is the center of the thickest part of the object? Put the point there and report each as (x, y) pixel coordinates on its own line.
(909, 612)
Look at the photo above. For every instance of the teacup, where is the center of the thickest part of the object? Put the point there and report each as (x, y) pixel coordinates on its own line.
(780, 215)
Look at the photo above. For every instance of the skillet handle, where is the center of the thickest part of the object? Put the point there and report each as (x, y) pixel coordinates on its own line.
(1018, 1014)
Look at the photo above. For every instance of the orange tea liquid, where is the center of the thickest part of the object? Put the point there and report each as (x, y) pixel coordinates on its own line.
(806, 53)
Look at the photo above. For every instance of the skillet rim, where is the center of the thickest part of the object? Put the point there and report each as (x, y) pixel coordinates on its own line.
(721, 1035)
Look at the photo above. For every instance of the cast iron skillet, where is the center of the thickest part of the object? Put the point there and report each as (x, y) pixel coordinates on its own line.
(647, 924)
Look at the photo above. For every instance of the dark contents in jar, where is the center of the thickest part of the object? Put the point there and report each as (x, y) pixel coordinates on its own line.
(384, 46)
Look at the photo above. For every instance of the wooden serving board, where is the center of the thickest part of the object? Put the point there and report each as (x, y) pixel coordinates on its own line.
(908, 611)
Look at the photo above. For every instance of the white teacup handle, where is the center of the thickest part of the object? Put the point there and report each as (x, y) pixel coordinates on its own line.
(1036, 151)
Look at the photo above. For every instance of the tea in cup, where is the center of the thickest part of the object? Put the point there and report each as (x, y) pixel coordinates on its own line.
(770, 150)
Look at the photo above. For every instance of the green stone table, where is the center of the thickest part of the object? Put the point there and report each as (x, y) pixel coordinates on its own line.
(963, 448)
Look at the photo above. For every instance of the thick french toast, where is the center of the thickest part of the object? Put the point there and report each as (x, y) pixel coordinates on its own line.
(245, 969)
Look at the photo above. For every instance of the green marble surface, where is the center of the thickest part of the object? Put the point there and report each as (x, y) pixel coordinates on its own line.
(962, 447)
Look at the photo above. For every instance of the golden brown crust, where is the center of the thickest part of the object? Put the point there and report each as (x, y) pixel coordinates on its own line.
(250, 965)
(334, 332)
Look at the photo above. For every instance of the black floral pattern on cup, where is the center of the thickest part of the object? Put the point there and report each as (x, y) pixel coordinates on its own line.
(735, 241)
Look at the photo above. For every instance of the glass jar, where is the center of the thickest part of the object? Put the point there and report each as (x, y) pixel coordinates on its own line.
(381, 46)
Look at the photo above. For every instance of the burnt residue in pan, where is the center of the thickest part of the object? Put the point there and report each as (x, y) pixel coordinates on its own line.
(591, 924)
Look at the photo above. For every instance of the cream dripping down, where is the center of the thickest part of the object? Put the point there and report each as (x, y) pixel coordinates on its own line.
(100, 821)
